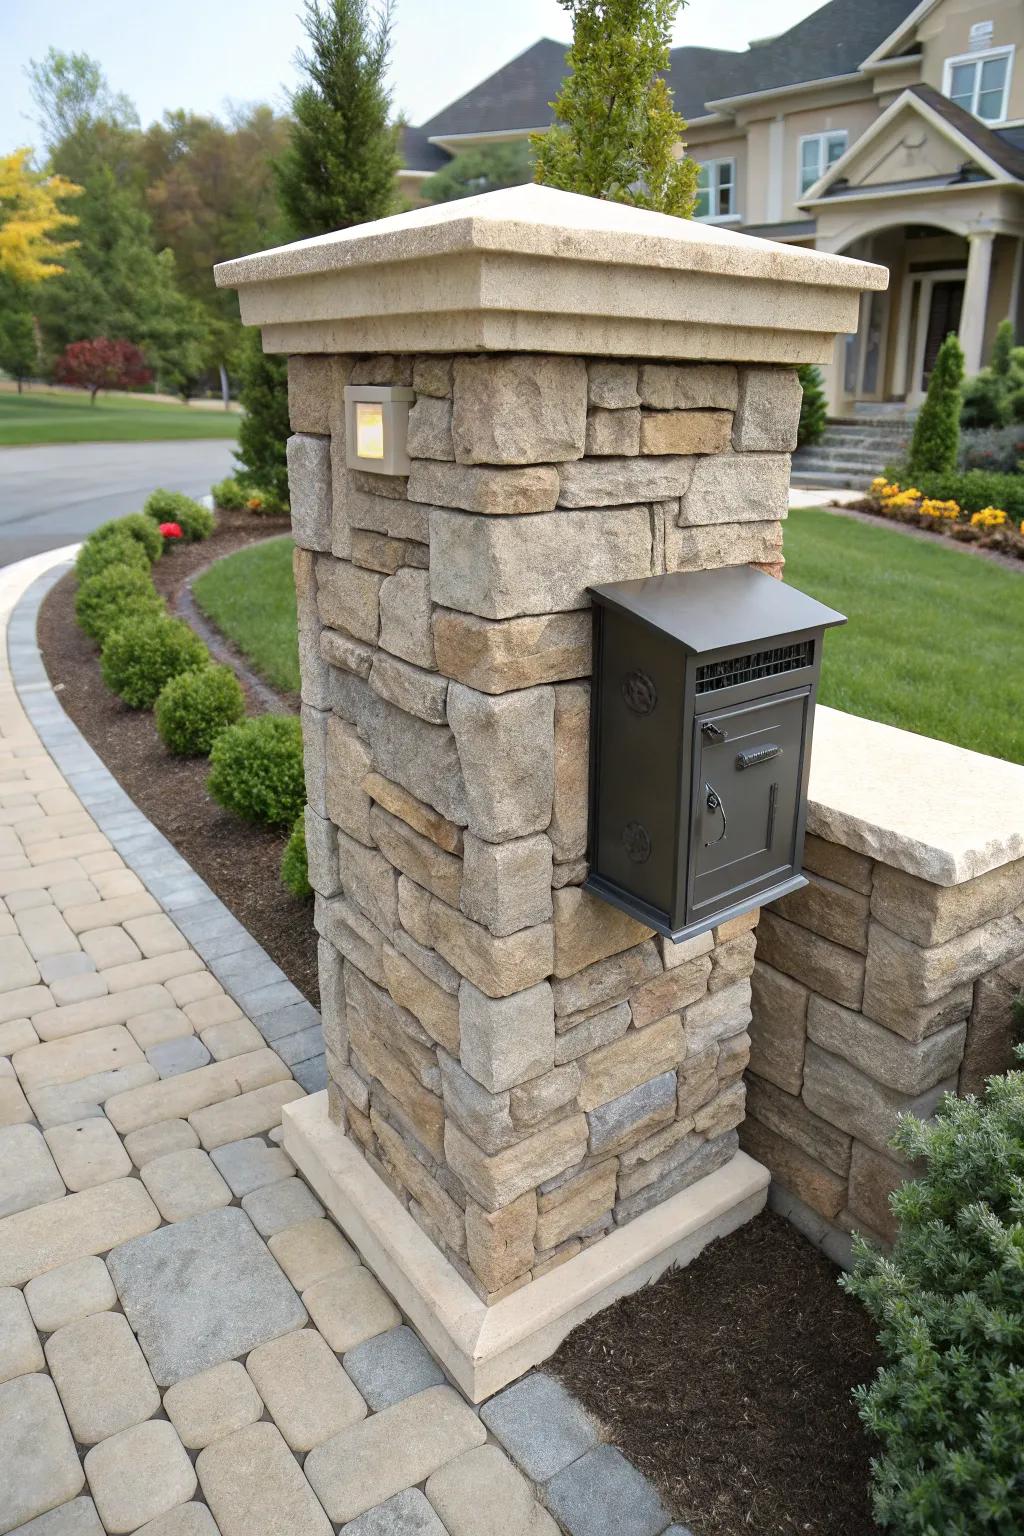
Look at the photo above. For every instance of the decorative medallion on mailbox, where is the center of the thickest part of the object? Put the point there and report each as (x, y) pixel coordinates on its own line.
(701, 714)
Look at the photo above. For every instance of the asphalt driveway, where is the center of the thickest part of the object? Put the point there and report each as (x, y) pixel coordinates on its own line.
(54, 495)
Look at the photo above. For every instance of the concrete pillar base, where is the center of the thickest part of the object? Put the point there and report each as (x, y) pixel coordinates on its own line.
(483, 1348)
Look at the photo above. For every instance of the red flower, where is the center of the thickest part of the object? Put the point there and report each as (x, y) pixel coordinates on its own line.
(170, 530)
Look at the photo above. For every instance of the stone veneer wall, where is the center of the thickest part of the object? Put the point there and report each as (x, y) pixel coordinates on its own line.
(874, 992)
(524, 1065)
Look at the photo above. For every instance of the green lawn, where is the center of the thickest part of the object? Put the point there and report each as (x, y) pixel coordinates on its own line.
(49, 416)
(935, 637)
(933, 644)
(251, 599)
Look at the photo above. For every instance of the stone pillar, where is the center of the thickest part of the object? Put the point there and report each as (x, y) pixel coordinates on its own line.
(972, 321)
(526, 1069)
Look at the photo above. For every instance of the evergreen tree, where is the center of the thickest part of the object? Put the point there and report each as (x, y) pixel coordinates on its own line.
(480, 170)
(338, 170)
(1002, 350)
(340, 165)
(936, 440)
(115, 284)
(813, 410)
(18, 347)
(263, 429)
(618, 134)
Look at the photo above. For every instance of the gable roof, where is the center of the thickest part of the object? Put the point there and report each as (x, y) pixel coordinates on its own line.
(833, 40)
(989, 155)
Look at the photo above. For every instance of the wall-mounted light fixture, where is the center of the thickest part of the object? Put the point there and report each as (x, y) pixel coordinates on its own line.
(377, 428)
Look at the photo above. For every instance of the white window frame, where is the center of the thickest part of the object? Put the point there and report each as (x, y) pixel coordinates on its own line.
(979, 57)
(713, 168)
(823, 163)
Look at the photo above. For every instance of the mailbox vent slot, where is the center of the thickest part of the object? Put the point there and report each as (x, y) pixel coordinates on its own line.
(747, 669)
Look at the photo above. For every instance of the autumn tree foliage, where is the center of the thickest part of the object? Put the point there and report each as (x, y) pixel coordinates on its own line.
(33, 224)
(102, 364)
(617, 135)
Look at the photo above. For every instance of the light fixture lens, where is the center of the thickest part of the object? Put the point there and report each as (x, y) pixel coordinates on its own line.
(369, 430)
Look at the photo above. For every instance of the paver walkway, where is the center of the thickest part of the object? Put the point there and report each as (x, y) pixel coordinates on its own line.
(187, 1343)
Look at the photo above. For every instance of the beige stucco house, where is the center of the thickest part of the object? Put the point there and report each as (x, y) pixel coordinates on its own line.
(875, 128)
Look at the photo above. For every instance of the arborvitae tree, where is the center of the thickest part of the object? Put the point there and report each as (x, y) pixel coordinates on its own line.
(936, 440)
(339, 168)
(813, 410)
(618, 135)
(480, 170)
(1002, 350)
(263, 429)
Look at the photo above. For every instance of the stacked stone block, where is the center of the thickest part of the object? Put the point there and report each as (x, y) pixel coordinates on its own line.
(526, 1066)
(874, 992)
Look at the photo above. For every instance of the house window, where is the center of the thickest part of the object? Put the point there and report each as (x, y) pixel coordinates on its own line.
(980, 83)
(716, 190)
(819, 151)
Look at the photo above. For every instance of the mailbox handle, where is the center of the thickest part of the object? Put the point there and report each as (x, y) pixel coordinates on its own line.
(757, 755)
(714, 803)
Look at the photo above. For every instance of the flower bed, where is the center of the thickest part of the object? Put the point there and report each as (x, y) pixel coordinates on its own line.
(989, 527)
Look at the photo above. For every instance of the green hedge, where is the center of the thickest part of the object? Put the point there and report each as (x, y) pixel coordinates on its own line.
(972, 489)
(141, 655)
(138, 527)
(194, 707)
(110, 548)
(294, 863)
(256, 770)
(948, 1405)
(194, 520)
(113, 595)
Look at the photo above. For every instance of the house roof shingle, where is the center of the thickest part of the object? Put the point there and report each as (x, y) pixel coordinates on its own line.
(833, 40)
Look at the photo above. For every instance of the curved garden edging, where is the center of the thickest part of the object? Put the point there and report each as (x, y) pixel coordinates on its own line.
(276, 1006)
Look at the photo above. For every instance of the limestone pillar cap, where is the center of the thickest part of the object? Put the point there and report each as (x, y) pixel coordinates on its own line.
(534, 269)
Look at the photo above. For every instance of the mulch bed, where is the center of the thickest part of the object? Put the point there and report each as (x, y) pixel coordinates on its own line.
(728, 1384)
(863, 512)
(239, 861)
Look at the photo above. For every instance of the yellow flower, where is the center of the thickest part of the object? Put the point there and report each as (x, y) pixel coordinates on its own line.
(989, 517)
(940, 509)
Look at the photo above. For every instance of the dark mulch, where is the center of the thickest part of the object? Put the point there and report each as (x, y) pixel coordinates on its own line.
(728, 1383)
(240, 862)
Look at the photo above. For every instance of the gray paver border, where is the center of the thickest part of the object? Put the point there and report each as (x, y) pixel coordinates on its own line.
(225, 944)
(240, 964)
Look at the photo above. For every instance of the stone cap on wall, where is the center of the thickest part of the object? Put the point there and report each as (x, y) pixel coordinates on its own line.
(532, 268)
(926, 807)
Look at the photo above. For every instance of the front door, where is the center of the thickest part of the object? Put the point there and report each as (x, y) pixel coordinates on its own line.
(947, 302)
(940, 302)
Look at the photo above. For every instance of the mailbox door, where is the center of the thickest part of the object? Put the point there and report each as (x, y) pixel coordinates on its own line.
(746, 796)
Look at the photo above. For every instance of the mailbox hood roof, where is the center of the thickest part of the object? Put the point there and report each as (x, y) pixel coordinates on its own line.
(712, 610)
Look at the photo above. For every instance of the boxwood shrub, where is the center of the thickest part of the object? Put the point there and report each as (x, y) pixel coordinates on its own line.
(294, 865)
(113, 595)
(141, 656)
(975, 489)
(194, 707)
(229, 494)
(949, 1303)
(112, 548)
(194, 520)
(137, 526)
(256, 770)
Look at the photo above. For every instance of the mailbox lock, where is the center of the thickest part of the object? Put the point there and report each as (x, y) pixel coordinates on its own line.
(712, 732)
(714, 803)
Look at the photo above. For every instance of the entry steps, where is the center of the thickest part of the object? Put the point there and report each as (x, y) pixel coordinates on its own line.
(854, 449)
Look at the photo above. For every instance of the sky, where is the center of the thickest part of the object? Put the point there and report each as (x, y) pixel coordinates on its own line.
(204, 54)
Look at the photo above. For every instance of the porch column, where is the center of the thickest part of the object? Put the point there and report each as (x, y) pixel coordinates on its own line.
(972, 319)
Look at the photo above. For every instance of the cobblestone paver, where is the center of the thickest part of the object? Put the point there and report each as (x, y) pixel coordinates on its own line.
(188, 1346)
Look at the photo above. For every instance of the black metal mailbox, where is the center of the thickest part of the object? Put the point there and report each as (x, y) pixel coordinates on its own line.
(701, 713)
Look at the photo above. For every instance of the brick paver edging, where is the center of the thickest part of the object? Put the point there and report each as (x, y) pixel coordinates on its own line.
(284, 1018)
(588, 1487)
